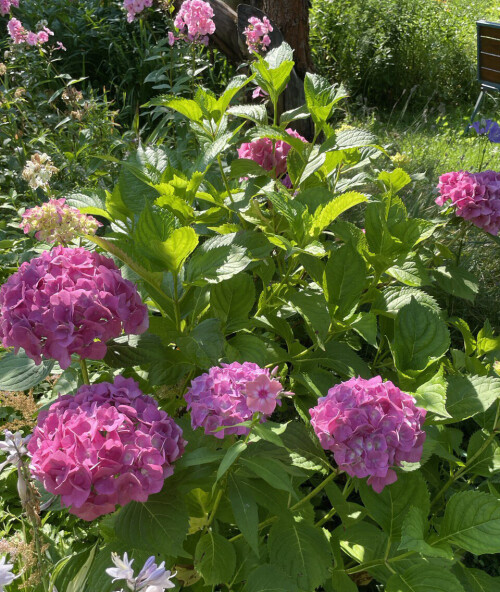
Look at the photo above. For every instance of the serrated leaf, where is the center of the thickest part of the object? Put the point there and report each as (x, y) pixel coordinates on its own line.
(468, 395)
(391, 300)
(328, 213)
(301, 551)
(488, 462)
(230, 457)
(245, 512)
(177, 248)
(413, 534)
(424, 578)
(232, 300)
(311, 306)
(255, 113)
(215, 558)
(395, 180)
(432, 395)
(457, 281)
(472, 522)
(271, 471)
(270, 578)
(20, 373)
(475, 580)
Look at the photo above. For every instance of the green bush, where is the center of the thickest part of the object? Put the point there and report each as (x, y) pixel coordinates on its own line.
(387, 50)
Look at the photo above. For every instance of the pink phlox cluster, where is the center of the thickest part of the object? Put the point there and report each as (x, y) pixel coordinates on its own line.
(257, 33)
(135, 7)
(68, 301)
(370, 426)
(270, 155)
(54, 221)
(476, 197)
(108, 444)
(194, 22)
(20, 35)
(229, 395)
(6, 5)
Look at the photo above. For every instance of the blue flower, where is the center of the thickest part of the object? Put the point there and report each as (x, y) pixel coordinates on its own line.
(487, 127)
(151, 578)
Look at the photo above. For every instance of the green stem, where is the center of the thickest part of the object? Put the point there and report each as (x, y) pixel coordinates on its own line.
(177, 308)
(375, 563)
(220, 493)
(85, 372)
(224, 178)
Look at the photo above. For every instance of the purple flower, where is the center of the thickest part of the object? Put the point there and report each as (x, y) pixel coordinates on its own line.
(230, 395)
(370, 426)
(108, 444)
(487, 127)
(68, 301)
(151, 578)
(475, 196)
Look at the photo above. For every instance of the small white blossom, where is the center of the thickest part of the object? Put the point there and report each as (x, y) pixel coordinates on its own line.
(6, 575)
(151, 578)
(14, 447)
(123, 569)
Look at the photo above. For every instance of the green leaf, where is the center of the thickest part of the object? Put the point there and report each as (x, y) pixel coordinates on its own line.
(410, 271)
(362, 541)
(20, 373)
(270, 578)
(395, 180)
(463, 327)
(365, 324)
(344, 281)
(312, 308)
(271, 471)
(469, 395)
(391, 300)
(457, 281)
(413, 534)
(488, 462)
(89, 203)
(328, 213)
(341, 582)
(232, 300)
(423, 577)
(302, 551)
(241, 167)
(71, 573)
(432, 395)
(255, 113)
(321, 96)
(475, 580)
(159, 525)
(186, 107)
(340, 358)
(245, 512)
(177, 248)
(472, 522)
(420, 337)
(390, 507)
(215, 558)
(230, 457)
(304, 452)
(204, 346)
(355, 138)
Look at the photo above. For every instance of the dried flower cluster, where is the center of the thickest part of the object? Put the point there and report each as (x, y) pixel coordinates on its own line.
(39, 170)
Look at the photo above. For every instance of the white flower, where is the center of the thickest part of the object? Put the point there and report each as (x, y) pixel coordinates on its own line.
(151, 578)
(123, 569)
(6, 575)
(14, 447)
(39, 170)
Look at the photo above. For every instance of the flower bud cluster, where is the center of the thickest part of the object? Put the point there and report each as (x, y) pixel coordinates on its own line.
(475, 196)
(370, 426)
(55, 222)
(108, 444)
(68, 301)
(228, 395)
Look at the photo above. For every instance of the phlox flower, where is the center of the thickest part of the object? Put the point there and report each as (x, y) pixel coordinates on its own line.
(134, 7)
(370, 426)
(106, 445)
(56, 222)
(228, 395)
(16, 31)
(68, 301)
(5, 6)
(257, 34)
(194, 21)
(6, 575)
(475, 197)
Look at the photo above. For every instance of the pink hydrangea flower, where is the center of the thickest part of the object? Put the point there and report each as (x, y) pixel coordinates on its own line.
(194, 20)
(68, 301)
(475, 196)
(270, 155)
(55, 222)
(107, 445)
(5, 6)
(370, 426)
(134, 7)
(16, 31)
(229, 395)
(257, 33)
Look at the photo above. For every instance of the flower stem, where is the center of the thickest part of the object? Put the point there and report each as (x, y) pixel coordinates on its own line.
(215, 508)
(85, 372)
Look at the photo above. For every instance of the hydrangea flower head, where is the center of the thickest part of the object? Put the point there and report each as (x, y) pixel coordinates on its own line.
(55, 222)
(108, 444)
(268, 154)
(134, 7)
(487, 127)
(370, 426)
(39, 170)
(257, 34)
(475, 197)
(229, 395)
(68, 301)
(194, 20)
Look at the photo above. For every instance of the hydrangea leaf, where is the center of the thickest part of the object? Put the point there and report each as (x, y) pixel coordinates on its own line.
(270, 578)
(232, 301)
(468, 395)
(245, 511)
(215, 558)
(423, 577)
(413, 534)
(488, 462)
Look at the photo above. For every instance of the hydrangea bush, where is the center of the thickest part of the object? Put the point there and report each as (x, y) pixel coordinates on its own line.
(316, 417)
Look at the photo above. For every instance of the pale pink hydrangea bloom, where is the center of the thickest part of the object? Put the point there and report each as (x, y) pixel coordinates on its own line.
(229, 395)
(194, 22)
(16, 31)
(370, 426)
(68, 301)
(5, 6)
(476, 197)
(270, 155)
(134, 7)
(257, 33)
(55, 222)
(107, 445)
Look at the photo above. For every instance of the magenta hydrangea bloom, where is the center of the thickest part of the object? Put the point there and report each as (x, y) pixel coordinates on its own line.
(370, 426)
(257, 33)
(194, 21)
(476, 197)
(270, 155)
(231, 394)
(68, 301)
(54, 221)
(107, 445)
